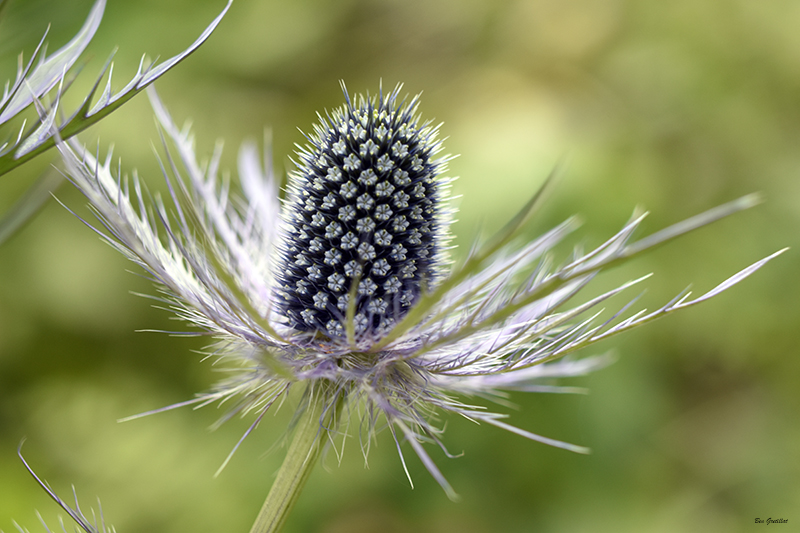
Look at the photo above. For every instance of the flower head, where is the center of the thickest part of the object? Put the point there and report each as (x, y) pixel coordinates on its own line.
(364, 222)
(345, 287)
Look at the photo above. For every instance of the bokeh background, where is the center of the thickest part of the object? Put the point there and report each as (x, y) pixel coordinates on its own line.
(677, 106)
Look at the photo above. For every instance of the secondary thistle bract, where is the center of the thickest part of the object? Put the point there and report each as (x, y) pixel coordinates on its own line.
(345, 290)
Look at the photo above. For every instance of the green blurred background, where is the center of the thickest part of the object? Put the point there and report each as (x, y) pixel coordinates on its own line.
(677, 106)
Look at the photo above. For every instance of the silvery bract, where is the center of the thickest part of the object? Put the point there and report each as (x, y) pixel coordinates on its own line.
(41, 81)
(42, 73)
(345, 288)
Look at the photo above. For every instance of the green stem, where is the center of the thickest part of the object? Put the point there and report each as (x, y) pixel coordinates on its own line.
(300, 459)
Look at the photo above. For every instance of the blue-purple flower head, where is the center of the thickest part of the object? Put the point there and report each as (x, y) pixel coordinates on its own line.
(365, 217)
(344, 290)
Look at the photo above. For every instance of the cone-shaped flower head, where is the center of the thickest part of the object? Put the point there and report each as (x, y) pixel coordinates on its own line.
(352, 298)
(364, 218)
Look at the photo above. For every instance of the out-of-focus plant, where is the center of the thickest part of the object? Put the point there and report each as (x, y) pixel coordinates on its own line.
(44, 76)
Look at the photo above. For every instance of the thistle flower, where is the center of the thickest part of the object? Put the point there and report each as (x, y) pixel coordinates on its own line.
(345, 288)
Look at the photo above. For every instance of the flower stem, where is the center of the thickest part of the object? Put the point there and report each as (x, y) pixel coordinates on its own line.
(312, 428)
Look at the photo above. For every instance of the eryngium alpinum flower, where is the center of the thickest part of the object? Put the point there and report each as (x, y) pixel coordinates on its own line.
(345, 288)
